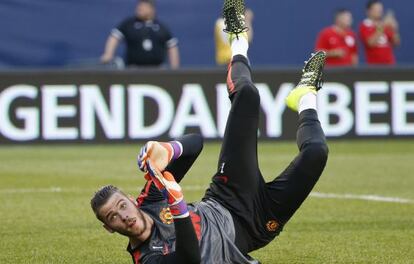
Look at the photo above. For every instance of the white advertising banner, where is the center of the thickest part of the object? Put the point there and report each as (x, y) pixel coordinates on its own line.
(127, 106)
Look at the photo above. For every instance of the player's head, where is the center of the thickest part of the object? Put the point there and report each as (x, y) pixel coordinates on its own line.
(119, 213)
(343, 18)
(145, 9)
(375, 9)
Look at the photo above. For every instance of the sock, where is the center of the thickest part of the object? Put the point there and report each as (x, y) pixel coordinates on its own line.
(177, 149)
(239, 46)
(308, 101)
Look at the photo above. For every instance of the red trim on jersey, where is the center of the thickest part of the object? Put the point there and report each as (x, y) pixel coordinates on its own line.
(144, 194)
(136, 255)
(230, 83)
(196, 219)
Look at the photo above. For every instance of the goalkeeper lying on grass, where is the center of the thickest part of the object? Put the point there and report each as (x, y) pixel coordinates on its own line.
(240, 212)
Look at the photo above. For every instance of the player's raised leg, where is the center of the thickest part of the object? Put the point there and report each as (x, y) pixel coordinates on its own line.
(287, 192)
(237, 181)
(237, 170)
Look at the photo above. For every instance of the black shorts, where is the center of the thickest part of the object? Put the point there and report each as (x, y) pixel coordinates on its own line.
(260, 209)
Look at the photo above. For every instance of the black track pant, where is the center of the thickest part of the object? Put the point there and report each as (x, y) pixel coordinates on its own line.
(261, 209)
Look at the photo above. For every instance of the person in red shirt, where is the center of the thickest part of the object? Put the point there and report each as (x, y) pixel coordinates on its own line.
(339, 41)
(379, 34)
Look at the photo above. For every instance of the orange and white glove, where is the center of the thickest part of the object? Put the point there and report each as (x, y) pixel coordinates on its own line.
(161, 154)
(171, 190)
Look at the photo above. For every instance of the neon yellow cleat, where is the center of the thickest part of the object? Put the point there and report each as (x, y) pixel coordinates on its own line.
(310, 82)
(293, 99)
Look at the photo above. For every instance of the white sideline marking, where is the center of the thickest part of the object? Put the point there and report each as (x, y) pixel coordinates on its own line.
(366, 197)
(32, 190)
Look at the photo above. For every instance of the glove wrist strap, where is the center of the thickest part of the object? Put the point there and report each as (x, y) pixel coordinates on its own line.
(177, 149)
(179, 209)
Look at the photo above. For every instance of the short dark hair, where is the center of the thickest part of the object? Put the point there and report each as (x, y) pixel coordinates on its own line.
(340, 11)
(101, 197)
(151, 2)
(370, 3)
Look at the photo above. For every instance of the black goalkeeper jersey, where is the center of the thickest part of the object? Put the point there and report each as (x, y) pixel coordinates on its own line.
(213, 225)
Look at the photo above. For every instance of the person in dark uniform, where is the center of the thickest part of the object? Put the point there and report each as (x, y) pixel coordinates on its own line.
(239, 212)
(148, 41)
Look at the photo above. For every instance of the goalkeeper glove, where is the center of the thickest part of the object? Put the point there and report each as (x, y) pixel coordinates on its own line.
(170, 189)
(161, 154)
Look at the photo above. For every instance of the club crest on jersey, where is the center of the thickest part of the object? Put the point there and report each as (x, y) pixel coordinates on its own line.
(166, 216)
(272, 225)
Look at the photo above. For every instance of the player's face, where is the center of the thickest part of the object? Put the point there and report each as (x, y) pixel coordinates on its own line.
(145, 11)
(121, 215)
(345, 20)
(376, 11)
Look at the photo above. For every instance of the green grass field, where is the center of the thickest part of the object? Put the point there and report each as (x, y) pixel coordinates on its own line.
(45, 191)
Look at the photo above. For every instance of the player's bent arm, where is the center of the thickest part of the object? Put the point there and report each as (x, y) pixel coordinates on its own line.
(174, 57)
(374, 38)
(110, 47)
(186, 245)
(186, 249)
